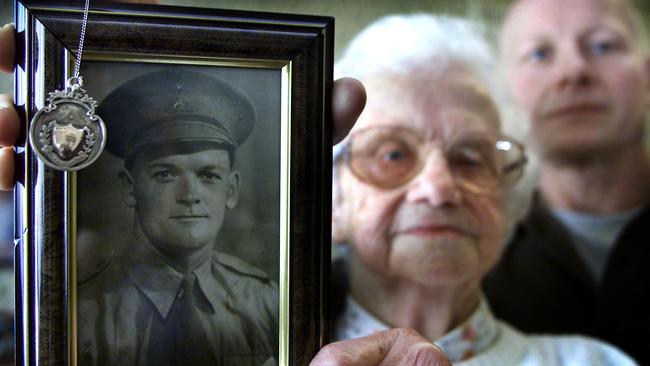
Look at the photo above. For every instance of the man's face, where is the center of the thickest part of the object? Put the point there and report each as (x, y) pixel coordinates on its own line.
(428, 231)
(180, 200)
(576, 68)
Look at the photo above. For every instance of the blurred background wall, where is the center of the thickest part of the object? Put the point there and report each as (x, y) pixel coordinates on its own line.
(351, 16)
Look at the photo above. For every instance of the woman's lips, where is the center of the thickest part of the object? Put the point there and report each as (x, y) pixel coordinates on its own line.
(433, 230)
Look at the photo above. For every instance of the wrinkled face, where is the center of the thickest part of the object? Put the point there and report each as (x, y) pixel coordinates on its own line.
(576, 68)
(180, 200)
(428, 231)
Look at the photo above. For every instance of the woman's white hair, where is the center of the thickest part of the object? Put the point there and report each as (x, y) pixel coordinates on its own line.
(402, 44)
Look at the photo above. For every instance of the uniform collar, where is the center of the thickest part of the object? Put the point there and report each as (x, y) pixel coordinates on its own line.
(472, 337)
(211, 284)
(160, 282)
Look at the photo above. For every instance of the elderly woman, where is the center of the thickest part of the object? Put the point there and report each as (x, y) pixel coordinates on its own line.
(421, 198)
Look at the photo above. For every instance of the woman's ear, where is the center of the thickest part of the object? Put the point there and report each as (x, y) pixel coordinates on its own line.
(340, 217)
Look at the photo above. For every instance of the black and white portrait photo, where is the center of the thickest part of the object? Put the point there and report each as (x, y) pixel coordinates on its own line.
(179, 220)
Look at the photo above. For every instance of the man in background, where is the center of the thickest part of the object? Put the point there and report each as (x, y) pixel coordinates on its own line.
(578, 263)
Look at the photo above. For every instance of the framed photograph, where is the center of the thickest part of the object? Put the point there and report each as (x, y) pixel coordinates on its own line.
(200, 235)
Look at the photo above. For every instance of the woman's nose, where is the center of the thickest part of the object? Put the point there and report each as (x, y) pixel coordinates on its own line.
(435, 183)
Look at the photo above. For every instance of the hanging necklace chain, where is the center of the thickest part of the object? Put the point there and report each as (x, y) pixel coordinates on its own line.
(80, 49)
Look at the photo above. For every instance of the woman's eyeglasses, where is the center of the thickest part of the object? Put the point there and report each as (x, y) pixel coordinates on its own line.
(389, 157)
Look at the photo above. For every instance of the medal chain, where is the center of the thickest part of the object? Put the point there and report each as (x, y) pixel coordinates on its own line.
(80, 49)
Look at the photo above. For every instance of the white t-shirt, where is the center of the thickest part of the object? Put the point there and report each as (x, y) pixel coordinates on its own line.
(594, 236)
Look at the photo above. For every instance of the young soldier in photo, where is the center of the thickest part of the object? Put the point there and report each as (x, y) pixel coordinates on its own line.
(171, 298)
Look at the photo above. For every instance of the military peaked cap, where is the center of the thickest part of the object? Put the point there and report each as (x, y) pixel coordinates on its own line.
(173, 106)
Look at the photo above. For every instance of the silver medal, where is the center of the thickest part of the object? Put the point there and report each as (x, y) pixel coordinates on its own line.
(67, 134)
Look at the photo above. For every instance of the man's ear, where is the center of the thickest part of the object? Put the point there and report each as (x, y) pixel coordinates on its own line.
(126, 187)
(233, 189)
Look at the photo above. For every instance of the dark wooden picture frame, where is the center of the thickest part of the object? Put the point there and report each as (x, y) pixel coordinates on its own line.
(296, 49)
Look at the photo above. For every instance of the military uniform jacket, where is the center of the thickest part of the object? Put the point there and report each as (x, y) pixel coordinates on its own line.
(541, 284)
(119, 307)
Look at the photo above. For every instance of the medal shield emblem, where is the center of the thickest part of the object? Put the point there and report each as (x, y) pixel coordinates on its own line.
(66, 139)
